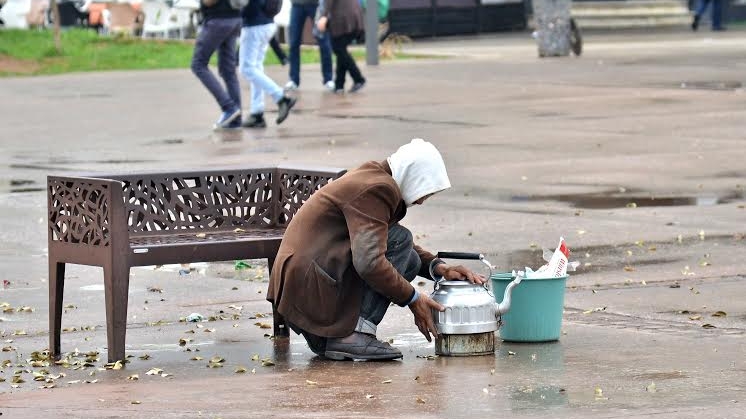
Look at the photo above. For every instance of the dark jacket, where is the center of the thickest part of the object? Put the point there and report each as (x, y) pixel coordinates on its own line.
(253, 14)
(220, 10)
(344, 17)
(336, 241)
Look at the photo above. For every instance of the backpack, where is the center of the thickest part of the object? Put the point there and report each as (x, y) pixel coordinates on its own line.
(238, 4)
(272, 7)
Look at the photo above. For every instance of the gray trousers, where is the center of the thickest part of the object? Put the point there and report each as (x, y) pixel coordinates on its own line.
(400, 252)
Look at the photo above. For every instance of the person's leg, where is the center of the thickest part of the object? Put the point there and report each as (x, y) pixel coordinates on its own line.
(209, 39)
(325, 51)
(277, 49)
(352, 68)
(400, 252)
(227, 60)
(254, 44)
(339, 47)
(717, 12)
(295, 29)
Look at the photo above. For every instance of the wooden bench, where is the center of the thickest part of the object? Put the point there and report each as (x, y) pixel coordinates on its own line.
(122, 221)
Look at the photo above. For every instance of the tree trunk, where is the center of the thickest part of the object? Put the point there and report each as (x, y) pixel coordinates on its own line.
(56, 18)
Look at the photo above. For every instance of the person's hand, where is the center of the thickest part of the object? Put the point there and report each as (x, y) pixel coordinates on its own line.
(423, 315)
(321, 24)
(459, 272)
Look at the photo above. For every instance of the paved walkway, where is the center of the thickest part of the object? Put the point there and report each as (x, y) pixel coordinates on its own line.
(633, 152)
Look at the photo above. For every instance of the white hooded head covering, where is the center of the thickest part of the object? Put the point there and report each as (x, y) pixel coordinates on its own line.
(419, 170)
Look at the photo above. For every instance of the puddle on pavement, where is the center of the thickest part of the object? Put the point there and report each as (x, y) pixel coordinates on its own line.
(616, 199)
(722, 85)
(660, 376)
(541, 396)
(19, 186)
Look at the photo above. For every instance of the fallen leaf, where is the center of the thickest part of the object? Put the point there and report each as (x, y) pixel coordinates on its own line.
(136, 402)
(154, 371)
(267, 363)
(511, 353)
(386, 382)
(629, 269)
(485, 391)
(701, 234)
(651, 388)
(696, 317)
(263, 325)
(709, 326)
(144, 357)
(421, 400)
(201, 235)
(196, 358)
(240, 370)
(719, 314)
(155, 289)
(311, 383)
(631, 205)
(134, 377)
(370, 396)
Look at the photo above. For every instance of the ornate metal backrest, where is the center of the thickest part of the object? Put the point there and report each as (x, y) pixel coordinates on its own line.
(220, 199)
(295, 186)
(79, 210)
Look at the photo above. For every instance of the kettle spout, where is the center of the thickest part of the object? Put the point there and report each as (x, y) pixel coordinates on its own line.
(504, 306)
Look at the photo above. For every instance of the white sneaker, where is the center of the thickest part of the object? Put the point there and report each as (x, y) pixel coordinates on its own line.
(290, 86)
(330, 85)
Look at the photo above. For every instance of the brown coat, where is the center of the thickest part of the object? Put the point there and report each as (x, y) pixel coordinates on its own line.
(344, 17)
(336, 241)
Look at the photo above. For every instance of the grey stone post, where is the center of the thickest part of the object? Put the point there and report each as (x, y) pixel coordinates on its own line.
(371, 32)
(552, 19)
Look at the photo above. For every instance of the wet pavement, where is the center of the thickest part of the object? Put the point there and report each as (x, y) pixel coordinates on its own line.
(634, 153)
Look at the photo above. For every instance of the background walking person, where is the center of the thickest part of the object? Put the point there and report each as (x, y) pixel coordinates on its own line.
(258, 29)
(716, 14)
(300, 12)
(343, 19)
(221, 27)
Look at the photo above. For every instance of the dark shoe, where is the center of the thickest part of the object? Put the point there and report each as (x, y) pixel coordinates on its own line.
(283, 108)
(235, 124)
(316, 343)
(357, 86)
(359, 346)
(226, 118)
(255, 121)
(339, 91)
(695, 23)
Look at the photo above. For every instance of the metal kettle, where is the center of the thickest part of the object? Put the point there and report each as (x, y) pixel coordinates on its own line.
(471, 315)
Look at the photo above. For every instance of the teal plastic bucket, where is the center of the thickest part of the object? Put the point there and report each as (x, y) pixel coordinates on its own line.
(536, 307)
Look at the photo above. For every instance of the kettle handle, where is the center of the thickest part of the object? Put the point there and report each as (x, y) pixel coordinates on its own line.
(460, 255)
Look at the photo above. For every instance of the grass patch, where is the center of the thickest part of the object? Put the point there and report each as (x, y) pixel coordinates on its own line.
(32, 52)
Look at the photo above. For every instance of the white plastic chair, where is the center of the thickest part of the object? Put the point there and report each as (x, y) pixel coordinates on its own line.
(157, 18)
(179, 21)
(14, 13)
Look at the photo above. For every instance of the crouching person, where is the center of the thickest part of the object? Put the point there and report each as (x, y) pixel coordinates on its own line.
(344, 258)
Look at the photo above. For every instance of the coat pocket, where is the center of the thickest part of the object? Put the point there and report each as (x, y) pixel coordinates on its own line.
(322, 298)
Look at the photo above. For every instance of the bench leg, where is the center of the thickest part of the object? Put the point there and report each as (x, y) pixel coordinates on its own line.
(281, 328)
(116, 284)
(56, 293)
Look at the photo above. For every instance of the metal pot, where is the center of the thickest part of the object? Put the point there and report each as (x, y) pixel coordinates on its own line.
(471, 317)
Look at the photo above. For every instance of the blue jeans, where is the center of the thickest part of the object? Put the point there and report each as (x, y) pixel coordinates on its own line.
(717, 11)
(219, 34)
(299, 13)
(254, 44)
